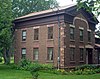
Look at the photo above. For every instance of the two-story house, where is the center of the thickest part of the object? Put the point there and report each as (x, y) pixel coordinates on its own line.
(63, 37)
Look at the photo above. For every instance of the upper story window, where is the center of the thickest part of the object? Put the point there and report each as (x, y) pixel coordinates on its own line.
(81, 34)
(23, 35)
(36, 34)
(72, 33)
(23, 53)
(72, 53)
(50, 53)
(35, 53)
(81, 54)
(50, 32)
(89, 36)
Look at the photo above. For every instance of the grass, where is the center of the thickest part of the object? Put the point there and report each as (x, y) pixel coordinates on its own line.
(7, 73)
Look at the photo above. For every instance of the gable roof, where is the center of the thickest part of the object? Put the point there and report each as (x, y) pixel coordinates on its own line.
(45, 11)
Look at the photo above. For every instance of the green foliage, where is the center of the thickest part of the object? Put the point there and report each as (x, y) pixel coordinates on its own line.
(24, 64)
(23, 7)
(0, 59)
(82, 67)
(35, 75)
(5, 29)
(87, 70)
(90, 5)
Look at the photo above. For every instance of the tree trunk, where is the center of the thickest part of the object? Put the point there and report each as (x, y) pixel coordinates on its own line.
(6, 56)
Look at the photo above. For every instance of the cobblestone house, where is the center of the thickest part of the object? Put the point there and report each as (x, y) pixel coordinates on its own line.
(39, 36)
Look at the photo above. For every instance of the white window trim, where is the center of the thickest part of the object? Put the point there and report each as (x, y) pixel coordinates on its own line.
(81, 28)
(71, 25)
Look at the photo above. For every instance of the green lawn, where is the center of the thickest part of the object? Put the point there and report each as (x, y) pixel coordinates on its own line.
(7, 73)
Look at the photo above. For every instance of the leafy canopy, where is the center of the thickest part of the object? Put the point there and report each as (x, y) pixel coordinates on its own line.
(23, 7)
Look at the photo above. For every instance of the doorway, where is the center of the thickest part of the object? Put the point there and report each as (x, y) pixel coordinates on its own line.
(89, 56)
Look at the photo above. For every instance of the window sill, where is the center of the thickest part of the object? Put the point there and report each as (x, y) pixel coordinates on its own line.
(81, 41)
(49, 61)
(23, 41)
(89, 42)
(36, 40)
(81, 61)
(72, 62)
(50, 39)
(72, 40)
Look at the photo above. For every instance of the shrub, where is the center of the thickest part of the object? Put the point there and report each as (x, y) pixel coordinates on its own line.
(78, 72)
(47, 66)
(0, 59)
(88, 72)
(24, 64)
(35, 67)
(97, 70)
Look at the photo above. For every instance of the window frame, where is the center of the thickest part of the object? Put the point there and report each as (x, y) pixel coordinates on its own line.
(81, 54)
(72, 54)
(35, 56)
(89, 36)
(23, 56)
(24, 36)
(36, 34)
(72, 34)
(50, 56)
(50, 32)
(81, 36)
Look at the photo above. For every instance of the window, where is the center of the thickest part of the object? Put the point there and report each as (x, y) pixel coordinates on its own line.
(81, 35)
(50, 53)
(23, 53)
(72, 53)
(23, 35)
(81, 54)
(35, 53)
(50, 32)
(36, 34)
(72, 33)
(89, 36)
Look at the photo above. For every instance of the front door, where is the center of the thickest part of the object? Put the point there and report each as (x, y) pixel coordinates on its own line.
(90, 57)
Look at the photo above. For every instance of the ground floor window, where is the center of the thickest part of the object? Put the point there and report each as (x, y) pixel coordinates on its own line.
(72, 53)
(81, 54)
(23, 51)
(35, 53)
(50, 53)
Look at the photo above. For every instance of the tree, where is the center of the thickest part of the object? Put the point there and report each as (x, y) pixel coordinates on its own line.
(5, 29)
(23, 7)
(90, 5)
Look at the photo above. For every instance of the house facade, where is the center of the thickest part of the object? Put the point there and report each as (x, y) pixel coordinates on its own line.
(63, 34)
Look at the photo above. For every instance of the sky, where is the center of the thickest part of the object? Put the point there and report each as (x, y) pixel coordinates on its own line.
(68, 2)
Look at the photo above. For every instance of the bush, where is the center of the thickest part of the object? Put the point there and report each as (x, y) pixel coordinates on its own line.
(24, 64)
(97, 70)
(78, 72)
(35, 67)
(85, 67)
(47, 66)
(88, 72)
(0, 59)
